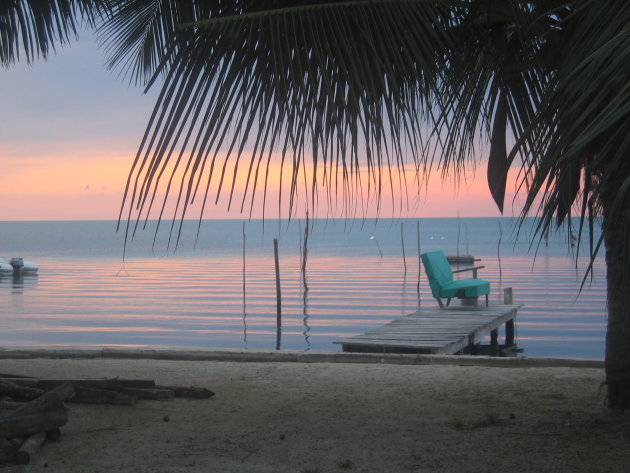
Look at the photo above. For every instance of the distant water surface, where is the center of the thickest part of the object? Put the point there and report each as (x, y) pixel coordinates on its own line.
(221, 293)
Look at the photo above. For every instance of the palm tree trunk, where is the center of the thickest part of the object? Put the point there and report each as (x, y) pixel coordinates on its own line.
(618, 333)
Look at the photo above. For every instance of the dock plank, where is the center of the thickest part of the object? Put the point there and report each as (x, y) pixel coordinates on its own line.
(433, 330)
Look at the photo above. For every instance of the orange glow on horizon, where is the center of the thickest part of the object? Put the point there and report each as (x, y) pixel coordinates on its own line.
(89, 185)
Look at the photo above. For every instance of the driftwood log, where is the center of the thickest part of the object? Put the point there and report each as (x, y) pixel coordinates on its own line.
(19, 391)
(26, 426)
(9, 405)
(32, 423)
(113, 383)
(88, 390)
(29, 447)
(48, 401)
(85, 395)
(149, 393)
(191, 391)
(8, 450)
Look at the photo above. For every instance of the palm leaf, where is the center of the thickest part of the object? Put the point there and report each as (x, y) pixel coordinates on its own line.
(33, 28)
(582, 126)
(342, 88)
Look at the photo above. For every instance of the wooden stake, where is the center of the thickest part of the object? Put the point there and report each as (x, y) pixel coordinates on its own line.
(419, 260)
(402, 242)
(458, 232)
(244, 311)
(498, 252)
(508, 296)
(278, 295)
(305, 255)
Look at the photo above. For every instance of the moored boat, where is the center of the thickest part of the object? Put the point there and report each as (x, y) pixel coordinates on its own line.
(17, 266)
(5, 266)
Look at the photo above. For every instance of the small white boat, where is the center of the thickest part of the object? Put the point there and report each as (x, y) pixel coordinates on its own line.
(17, 265)
(30, 267)
(5, 266)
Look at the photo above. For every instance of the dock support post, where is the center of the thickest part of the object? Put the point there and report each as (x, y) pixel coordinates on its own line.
(494, 337)
(508, 298)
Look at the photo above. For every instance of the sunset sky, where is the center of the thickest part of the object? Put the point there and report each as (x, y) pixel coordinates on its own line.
(69, 130)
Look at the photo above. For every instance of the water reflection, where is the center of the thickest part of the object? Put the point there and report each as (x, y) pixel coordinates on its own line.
(18, 281)
(156, 304)
(244, 327)
(305, 316)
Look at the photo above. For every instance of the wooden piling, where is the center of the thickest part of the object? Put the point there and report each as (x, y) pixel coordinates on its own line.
(244, 306)
(278, 295)
(419, 262)
(305, 255)
(402, 242)
(499, 252)
(508, 298)
(494, 337)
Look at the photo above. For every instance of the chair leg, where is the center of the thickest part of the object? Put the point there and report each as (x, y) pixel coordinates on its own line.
(440, 302)
(486, 300)
(448, 301)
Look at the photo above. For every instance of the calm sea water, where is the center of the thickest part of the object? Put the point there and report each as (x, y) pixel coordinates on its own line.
(221, 293)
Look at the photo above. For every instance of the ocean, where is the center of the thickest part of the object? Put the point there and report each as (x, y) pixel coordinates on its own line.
(217, 287)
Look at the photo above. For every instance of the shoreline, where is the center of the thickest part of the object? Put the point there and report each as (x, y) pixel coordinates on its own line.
(287, 356)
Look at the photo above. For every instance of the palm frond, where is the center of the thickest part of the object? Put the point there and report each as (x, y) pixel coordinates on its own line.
(30, 29)
(580, 138)
(341, 89)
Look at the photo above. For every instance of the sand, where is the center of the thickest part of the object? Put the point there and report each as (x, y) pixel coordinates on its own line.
(302, 417)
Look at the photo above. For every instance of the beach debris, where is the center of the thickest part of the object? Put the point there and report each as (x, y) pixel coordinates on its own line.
(33, 410)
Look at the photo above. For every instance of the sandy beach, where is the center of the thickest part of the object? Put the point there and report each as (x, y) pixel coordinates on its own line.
(326, 414)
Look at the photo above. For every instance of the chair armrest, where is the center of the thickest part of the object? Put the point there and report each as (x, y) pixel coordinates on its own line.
(473, 269)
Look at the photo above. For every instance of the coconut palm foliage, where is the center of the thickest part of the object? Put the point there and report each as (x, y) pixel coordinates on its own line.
(356, 100)
(579, 156)
(351, 95)
(311, 85)
(30, 29)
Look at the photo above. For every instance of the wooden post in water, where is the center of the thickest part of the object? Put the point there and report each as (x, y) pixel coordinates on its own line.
(244, 267)
(494, 337)
(305, 255)
(278, 295)
(244, 294)
(419, 261)
(402, 242)
(508, 298)
(499, 255)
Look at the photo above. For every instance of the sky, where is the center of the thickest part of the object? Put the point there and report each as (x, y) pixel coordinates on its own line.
(69, 130)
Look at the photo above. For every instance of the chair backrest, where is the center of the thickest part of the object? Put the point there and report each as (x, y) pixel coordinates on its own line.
(438, 270)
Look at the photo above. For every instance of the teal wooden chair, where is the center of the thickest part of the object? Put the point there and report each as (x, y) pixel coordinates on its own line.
(443, 286)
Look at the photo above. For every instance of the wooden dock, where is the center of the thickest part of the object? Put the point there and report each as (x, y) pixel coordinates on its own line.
(438, 331)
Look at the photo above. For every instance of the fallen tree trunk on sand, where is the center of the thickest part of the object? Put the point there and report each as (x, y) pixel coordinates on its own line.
(26, 426)
(141, 388)
(85, 395)
(29, 448)
(7, 451)
(32, 423)
(107, 383)
(191, 391)
(19, 391)
(51, 400)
